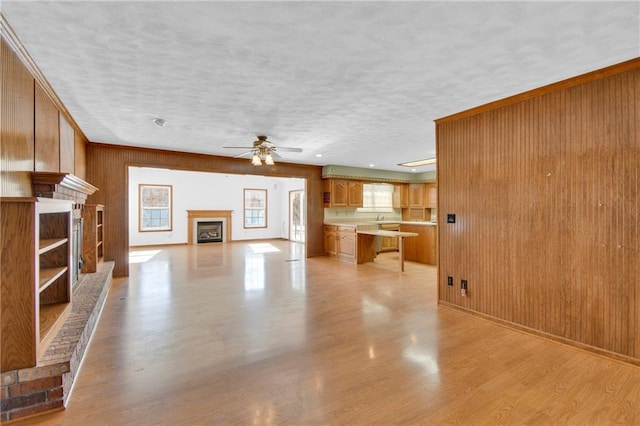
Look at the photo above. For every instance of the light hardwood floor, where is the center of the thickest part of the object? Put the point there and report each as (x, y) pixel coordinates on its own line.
(254, 333)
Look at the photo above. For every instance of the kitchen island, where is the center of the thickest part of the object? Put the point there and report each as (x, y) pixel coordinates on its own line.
(367, 244)
(341, 239)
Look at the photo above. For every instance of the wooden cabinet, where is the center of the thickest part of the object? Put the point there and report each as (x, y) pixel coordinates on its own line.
(92, 237)
(340, 241)
(356, 192)
(400, 196)
(431, 195)
(347, 243)
(330, 240)
(342, 193)
(389, 243)
(35, 277)
(416, 195)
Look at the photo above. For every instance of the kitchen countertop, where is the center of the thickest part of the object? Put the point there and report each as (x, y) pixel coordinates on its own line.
(382, 233)
(376, 222)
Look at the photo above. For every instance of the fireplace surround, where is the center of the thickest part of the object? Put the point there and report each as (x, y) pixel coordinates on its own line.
(196, 216)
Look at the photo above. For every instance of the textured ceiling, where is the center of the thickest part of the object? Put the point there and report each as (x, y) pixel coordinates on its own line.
(358, 82)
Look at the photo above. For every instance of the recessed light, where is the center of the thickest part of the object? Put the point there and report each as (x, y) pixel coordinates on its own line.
(371, 165)
(160, 121)
(413, 170)
(318, 155)
(419, 163)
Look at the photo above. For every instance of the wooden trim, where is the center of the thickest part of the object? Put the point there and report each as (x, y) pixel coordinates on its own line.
(620, 68)
(170, 228)
(194, 214)
(266, 208)
(65, 180)
(21, 52)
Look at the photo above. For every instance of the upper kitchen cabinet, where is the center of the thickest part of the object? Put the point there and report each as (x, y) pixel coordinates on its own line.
(342, 193)
(431, 195)
(416, 195)
(423, 195)
(400, 196)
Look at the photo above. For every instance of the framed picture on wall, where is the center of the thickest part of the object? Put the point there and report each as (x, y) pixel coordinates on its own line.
(155, 207)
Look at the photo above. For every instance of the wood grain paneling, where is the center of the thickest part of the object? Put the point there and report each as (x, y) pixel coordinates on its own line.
(80, 156)
(107, 169)
(67, 146)
(545, 192)
(19, 299)
(16, 131)
(47, 134)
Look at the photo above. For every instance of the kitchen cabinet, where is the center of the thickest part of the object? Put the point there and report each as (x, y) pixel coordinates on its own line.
(342, 193)
(431, 195)
(416, 195)
(400, 196)
(340, 241)
(347, 243)
(389, 243)
(330, 240)
(356, 192)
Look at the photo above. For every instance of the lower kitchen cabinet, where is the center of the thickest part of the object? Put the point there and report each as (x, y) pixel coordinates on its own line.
(347, 243)
(340, 241)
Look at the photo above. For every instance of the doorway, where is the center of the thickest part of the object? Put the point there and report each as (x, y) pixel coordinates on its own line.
(296, 216)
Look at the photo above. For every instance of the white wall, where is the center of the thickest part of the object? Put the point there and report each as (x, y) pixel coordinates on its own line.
(211, 191)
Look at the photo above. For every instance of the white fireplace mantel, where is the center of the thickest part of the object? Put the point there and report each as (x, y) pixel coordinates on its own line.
(195, 216)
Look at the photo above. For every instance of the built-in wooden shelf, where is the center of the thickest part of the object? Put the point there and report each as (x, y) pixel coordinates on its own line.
(50, 316)
(50, 275)
(92, 250)
(34, 232)
(48, 244)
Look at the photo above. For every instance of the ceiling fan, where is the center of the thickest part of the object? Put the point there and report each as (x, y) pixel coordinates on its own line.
(263, 150)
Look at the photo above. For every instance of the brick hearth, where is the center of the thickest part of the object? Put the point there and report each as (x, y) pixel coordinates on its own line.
(47, 386)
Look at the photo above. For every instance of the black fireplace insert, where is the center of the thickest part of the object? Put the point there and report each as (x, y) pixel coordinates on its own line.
(209, 232)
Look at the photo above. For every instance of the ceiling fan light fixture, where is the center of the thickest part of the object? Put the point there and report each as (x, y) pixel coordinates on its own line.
(268, 159)
(256, 160)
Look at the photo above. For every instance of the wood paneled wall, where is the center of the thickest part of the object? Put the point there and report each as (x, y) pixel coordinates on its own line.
(47, 141)
(35, 134)
(17, 131)
(545, 193)
(107, 168)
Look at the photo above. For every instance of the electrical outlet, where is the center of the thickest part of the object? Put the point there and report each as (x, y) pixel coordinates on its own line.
(449, 280)
(451, 218)
(463, 284)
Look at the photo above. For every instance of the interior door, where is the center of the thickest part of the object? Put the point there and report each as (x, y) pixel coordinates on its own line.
(296, 216)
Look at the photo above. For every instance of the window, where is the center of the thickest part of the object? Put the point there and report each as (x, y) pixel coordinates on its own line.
(377, 197)
(154, 207)
(255, 208)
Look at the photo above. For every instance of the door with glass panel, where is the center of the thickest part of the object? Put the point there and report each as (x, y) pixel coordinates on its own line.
(296, 216)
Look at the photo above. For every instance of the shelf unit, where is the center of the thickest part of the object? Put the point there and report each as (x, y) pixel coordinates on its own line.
(92, 237)
(36, 277)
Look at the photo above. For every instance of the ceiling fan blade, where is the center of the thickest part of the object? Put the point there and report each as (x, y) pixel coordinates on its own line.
(243, 154)
(239, 147)
(284, 148)
(275, 154)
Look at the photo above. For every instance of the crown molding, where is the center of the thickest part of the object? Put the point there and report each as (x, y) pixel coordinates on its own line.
(14, 43)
